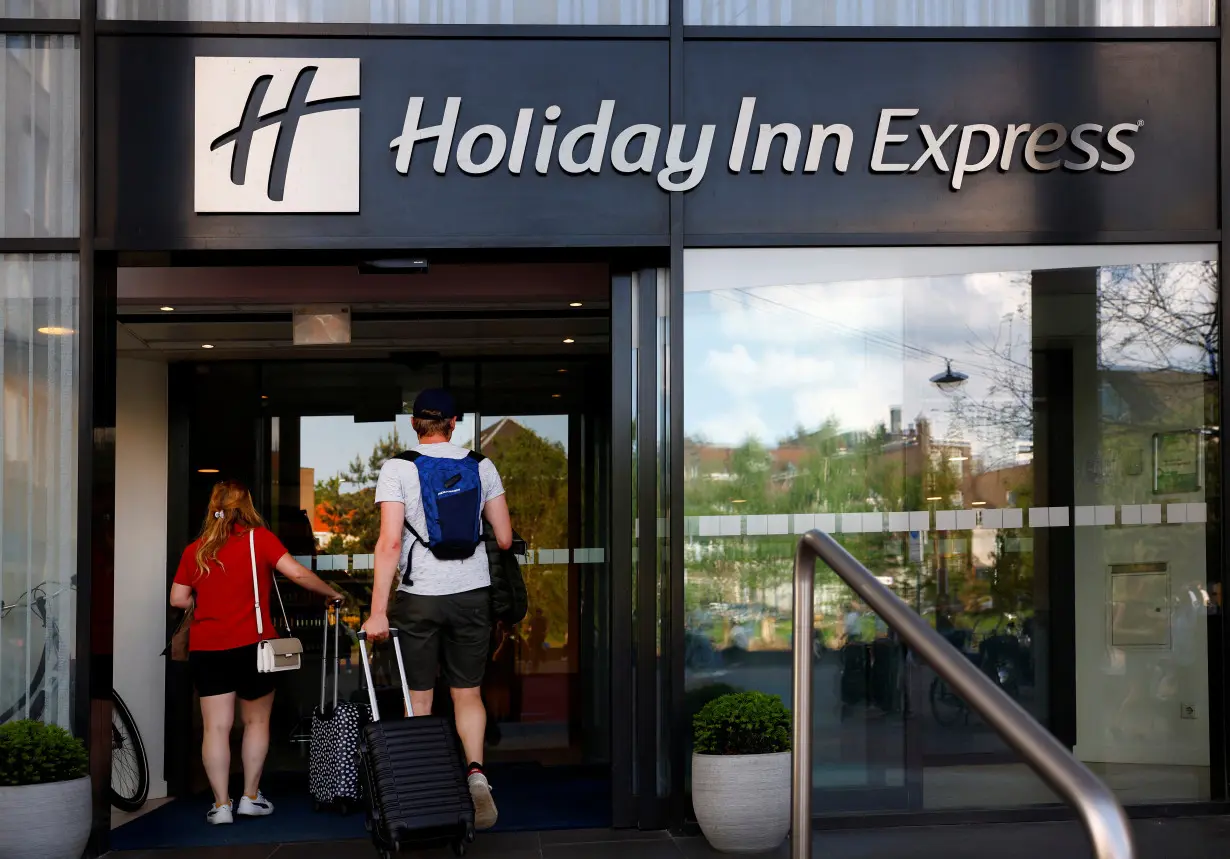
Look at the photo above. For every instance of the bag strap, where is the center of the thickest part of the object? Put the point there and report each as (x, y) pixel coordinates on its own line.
(256, 591)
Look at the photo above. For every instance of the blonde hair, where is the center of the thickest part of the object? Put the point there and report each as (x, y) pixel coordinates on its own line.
(230, 506)
(432, 426)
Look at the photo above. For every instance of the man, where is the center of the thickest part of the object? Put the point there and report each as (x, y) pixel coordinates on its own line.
(442, 606)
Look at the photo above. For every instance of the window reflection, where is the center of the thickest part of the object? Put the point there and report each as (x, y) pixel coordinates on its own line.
(998, 447)
(952, 13)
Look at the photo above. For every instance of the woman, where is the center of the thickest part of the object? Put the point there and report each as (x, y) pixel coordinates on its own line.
(215, 581)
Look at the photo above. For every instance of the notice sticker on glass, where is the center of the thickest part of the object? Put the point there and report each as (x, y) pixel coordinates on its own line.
(1178, 462)
(322, 325)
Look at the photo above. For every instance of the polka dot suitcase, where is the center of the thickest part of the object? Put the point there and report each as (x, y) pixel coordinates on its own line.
(336, 727)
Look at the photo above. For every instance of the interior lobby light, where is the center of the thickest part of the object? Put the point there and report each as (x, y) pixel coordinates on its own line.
(55, 330)
(949, 381)
(207, 471)
(569, 340)
(166, 308)
(207, 345)
(575, 304)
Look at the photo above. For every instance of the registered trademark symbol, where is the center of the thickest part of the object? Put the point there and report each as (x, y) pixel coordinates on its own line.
(1140, 123)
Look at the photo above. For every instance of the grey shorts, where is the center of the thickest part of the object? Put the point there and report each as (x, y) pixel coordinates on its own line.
(451, 633)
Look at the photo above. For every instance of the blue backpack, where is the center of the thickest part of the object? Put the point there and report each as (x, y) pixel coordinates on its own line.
(452, 504)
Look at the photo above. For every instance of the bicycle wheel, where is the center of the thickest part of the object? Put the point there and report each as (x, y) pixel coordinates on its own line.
(129, 767)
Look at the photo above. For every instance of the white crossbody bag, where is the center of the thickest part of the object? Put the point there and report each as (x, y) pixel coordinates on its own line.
(272, 654)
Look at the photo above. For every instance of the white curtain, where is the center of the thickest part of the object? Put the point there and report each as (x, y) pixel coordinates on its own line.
(38, 483)
(584, 12)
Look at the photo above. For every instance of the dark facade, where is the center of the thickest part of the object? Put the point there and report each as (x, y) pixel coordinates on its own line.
(803, 223)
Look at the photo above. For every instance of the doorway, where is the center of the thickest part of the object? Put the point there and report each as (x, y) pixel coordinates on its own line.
(526, 351)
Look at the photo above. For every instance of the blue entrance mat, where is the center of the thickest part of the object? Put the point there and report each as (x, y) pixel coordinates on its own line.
(530, 798)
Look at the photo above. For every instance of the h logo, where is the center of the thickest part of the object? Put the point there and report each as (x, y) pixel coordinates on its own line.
(277, 135)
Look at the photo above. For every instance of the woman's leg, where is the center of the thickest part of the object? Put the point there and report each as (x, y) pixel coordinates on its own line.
(218, 714)
(255, 741)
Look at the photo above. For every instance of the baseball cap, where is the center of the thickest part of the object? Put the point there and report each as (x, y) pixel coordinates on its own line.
(434, 404)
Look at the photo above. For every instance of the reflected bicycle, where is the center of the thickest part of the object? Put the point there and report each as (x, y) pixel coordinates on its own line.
(129, 766)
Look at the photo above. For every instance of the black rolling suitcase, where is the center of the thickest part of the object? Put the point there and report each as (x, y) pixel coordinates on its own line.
(333, 770)
(414, 776)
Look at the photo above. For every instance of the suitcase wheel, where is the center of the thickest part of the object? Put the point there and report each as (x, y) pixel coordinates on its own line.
(459, 847)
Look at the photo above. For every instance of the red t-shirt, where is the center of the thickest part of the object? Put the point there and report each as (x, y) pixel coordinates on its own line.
(225, 615)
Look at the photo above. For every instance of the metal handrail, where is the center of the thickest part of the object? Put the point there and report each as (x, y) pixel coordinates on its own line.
(1099, 811)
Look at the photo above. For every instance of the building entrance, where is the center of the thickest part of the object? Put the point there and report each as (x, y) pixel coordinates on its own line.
(302, 398)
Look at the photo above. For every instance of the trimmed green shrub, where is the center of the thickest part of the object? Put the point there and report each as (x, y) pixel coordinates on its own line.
(745, 723)
(35, 753)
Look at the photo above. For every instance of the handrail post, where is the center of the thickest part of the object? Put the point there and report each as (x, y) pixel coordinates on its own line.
(1105, 823)
(800, 737)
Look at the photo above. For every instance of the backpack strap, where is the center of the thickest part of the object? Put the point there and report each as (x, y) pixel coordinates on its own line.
(410, 456)
(475, 455)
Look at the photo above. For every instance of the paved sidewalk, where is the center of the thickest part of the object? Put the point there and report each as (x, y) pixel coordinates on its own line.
(1188, 838)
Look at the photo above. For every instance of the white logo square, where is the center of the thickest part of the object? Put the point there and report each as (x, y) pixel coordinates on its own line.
(277, 135)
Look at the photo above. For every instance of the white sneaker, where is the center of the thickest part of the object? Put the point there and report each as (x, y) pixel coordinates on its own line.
(258, 807)
(220, 814)
(485, 814)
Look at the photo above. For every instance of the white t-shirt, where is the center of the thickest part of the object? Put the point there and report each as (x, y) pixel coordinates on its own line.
(429, 576)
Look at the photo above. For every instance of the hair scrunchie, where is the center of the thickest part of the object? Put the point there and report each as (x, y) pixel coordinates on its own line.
(218, 514)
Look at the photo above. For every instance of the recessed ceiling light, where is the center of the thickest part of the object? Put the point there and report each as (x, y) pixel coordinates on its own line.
(574, 304)
(207, 345)
(935, 498)
(55, 330)
(207, 471)
(167, 309)
(264, 396)
(556, 396)
(569, 340)
(562, 370)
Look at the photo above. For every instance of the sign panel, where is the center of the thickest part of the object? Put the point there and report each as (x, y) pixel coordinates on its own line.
(387, 143)
(952, 141)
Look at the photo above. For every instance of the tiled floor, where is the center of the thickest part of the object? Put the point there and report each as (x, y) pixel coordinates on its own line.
(1189, 838)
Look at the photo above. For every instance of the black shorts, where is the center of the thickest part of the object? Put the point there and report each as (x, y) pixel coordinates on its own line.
(451, 632)
(220, 672)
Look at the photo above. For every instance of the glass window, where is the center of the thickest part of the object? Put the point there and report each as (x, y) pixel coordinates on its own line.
(39, 121)
(1021, 443)
(952, 13)
(40, 8)
(393, 11)
(38, 485)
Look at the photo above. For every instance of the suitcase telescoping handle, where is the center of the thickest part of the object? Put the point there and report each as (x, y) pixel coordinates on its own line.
(401, 670)
(336, 605)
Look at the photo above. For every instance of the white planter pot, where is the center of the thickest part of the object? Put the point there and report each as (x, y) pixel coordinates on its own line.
(45, 821)
(742, 802)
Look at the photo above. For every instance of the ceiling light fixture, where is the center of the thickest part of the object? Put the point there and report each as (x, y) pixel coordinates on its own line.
(562, 370)
(569, 340)
(575, 304)
(207, 345)
(55, 330)
(957, 458)
(935, 498)
(166, 308)
(556, 396)
(207, 471)
(979, 503)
